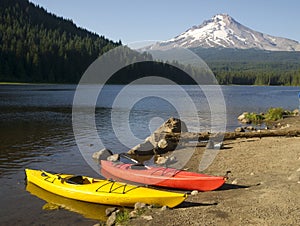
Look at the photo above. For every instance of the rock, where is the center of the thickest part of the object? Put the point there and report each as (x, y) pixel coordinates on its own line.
(294, 176)
(112, 219)
(114, 158)
(103, 154)
(163, 208)
(195, 192)
(161, 140)
(171, 145)
(239, 130)
(296, 112)
(172, 125)
(162, 144)
(109, 211)
(219, 145)
(139, 205)
(251, 128)
(161, 160)
(166, 144)
(285, 126)
(133, 214)
(51, 206)
(145, 147)
(148, 218)
(213, 145)
(246, 121)
(235, 181)
(242, 116)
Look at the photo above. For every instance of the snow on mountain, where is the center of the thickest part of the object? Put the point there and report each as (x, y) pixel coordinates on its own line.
(223, 31)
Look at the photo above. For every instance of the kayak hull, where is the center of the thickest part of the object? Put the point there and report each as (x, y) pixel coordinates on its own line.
(161, 176)
(89, 210)
(102, 191)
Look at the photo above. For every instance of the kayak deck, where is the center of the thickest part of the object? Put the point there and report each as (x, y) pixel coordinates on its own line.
(161, 176)
(101, 191)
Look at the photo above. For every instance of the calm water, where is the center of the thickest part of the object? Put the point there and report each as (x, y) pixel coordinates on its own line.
(36, 132)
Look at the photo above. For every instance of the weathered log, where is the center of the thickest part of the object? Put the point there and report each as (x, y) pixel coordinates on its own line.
(196, 140)
(185, 137)
(262, 133)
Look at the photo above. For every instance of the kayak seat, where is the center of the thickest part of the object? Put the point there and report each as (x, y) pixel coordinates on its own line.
(77, 180)
(138, 166)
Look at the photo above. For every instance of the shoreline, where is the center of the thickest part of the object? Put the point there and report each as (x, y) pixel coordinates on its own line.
(33, 83)
(263, 188)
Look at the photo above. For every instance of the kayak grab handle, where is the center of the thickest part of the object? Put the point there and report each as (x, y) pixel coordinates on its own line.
(226, 176)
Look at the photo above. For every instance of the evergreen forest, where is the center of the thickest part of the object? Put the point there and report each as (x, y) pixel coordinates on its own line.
(37, 46)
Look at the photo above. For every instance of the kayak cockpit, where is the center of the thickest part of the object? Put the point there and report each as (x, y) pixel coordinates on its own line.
(72, 179)
(77, 180)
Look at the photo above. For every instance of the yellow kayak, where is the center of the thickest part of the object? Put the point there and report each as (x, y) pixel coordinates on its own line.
(101, 191)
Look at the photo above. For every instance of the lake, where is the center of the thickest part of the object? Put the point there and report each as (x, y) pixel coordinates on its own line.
(36, 132)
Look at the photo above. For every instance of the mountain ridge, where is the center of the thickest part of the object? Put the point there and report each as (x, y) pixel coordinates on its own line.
(223, 31)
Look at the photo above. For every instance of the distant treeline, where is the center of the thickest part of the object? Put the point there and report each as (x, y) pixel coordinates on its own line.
(253, 67)
(256, 74)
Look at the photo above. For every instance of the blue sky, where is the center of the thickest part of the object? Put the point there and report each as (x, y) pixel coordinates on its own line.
(138, 20)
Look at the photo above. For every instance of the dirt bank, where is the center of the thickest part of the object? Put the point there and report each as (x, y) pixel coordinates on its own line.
(263, 189)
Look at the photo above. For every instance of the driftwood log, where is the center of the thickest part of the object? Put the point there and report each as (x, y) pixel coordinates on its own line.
(185, 137)
(173, 134)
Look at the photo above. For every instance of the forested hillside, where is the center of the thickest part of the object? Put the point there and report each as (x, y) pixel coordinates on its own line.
(36, 46)
(253, 67)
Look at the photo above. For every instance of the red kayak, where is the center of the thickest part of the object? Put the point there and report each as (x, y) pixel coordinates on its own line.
(161, 176)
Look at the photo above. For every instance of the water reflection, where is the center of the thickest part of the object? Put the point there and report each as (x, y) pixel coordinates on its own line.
(88, 210)
(29, 136)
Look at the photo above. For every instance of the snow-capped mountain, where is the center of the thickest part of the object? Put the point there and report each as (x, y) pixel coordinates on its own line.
(223, 31)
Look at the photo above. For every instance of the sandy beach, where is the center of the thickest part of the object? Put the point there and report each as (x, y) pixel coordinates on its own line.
(263, 188)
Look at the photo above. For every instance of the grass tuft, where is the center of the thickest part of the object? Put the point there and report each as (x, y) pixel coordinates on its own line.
(123, 217)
